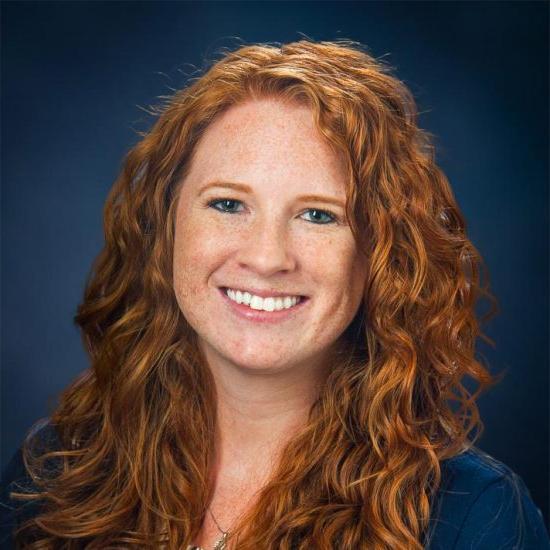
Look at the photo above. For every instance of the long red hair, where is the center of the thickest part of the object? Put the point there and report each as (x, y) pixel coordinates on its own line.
(136, 430)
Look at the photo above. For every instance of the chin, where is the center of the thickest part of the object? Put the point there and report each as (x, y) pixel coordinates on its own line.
(254, 366)
(259, 362)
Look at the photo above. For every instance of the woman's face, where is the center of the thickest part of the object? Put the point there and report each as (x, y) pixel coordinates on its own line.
(261, 212)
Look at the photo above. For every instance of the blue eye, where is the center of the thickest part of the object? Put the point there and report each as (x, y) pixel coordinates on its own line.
(323, 221)
(228, 206)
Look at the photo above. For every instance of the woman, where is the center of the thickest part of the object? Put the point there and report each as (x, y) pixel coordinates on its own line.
(278, 327)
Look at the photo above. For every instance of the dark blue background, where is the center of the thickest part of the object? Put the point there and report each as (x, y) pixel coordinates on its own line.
(75, 74)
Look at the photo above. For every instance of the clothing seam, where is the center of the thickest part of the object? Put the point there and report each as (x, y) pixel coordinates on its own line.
(467, 515)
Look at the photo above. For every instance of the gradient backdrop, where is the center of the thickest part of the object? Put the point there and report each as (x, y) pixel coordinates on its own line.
(76, 75)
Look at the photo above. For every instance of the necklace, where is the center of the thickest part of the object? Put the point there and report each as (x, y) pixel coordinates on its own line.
(220, 543)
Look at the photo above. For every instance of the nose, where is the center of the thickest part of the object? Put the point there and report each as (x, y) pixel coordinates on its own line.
(267, 248)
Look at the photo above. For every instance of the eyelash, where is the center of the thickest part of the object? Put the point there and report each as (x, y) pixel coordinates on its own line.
(333, 220)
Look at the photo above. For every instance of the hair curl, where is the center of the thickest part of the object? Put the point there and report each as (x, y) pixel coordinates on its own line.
(136, 429)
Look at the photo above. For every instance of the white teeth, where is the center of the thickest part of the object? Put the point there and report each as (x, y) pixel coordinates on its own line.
(265, 304)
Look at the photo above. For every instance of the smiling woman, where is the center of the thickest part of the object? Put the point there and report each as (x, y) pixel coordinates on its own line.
(274, 245)
(278, 328)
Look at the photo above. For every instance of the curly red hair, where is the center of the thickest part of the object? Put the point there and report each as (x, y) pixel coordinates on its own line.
(136, 431)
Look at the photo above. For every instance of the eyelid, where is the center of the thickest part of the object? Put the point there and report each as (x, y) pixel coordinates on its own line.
(213, 201)
(335, 218)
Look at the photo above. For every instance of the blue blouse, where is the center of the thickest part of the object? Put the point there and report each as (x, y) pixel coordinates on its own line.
(481, 504)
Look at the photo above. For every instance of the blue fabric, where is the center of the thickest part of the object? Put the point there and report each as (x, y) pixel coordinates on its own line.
(481, 504)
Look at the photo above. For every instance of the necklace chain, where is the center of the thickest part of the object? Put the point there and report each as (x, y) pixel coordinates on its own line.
(220, 543)
(215, 521)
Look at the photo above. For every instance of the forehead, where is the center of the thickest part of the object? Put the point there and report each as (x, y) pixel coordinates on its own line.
(268, 141)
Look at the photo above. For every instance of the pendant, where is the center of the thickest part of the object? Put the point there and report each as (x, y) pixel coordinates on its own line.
(220, 544)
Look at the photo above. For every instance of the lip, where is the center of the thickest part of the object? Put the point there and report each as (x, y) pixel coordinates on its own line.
(261, 316)
(263, 293)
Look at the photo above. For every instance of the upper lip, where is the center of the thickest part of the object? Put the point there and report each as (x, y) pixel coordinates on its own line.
(263, 293)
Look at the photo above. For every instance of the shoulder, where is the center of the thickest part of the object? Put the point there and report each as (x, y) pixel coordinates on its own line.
(16, 478)
(484, 504)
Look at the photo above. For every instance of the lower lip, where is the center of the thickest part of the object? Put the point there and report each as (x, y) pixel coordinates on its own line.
(261, 316)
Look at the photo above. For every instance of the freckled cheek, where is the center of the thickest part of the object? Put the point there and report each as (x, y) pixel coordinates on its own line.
(196, 255)
(335, 268)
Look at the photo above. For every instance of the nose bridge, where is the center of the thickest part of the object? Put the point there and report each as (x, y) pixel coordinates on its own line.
(268, 248)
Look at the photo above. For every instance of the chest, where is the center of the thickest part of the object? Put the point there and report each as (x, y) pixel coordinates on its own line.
(226, 508)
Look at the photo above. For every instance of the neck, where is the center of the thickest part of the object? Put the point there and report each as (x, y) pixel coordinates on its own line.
(255, 411)
(258, 413)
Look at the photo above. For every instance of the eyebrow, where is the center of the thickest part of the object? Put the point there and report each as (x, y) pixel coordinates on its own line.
(247, 189)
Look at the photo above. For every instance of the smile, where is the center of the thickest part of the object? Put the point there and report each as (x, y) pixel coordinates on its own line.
(269, 309)
(270, 303)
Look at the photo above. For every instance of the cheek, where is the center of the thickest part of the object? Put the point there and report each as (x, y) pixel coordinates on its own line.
(339, 281)
(339, 268)
(194, 256)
